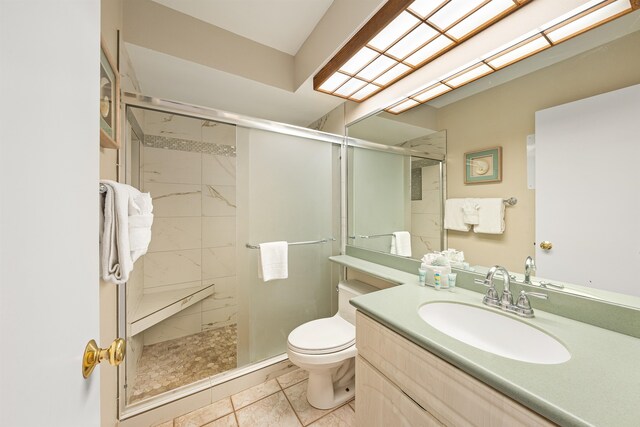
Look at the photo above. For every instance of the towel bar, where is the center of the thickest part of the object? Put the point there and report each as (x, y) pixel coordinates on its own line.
(310, 242)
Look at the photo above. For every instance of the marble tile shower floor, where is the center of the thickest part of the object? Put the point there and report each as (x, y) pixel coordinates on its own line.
(178, 362)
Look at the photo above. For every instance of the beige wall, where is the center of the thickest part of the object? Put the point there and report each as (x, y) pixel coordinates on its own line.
(504, 116)
(111, 22)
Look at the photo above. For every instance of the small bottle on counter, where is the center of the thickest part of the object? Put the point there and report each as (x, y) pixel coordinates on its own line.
(452, 281)
(436, 279)
(422, 274)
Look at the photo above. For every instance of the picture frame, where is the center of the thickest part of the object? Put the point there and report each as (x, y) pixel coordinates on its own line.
(483, 166)
(109, 100)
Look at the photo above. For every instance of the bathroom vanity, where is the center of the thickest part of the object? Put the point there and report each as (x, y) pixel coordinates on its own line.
(410, 373)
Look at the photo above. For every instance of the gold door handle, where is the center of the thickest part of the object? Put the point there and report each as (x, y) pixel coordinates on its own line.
(546, 245)
(94, 355)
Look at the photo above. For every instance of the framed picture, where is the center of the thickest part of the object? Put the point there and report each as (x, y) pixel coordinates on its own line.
(483, 166)
(109, 100)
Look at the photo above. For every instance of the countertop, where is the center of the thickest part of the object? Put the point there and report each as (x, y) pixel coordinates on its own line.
(598, 386)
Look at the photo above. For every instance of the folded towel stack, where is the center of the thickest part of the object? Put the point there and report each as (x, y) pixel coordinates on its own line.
(127, 219)
(491, 216)
(273, 262)
(453, 215)
(401, 243)
(485, 215)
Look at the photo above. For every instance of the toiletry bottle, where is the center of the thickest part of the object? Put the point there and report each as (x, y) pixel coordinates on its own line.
(452, 281)
(422, 274)
(436, 279)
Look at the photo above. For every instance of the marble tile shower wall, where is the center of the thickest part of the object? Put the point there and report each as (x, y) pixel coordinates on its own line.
(425, 214)
(189, 167)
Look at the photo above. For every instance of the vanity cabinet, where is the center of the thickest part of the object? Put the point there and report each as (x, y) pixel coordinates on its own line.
(401, 384)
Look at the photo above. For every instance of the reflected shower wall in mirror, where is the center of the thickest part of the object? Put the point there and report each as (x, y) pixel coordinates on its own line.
(410, 187)
(499, 110)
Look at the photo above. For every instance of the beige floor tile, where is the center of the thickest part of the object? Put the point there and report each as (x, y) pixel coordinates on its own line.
(205, 415)
(270, 411)
(164, 424)
(341, 417)
(353, 404)
(293, 377)
(227, 421)
(297, 395)
(246, 397)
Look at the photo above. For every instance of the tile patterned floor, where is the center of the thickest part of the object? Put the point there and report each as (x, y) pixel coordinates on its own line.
(280, 402)
(174, 363)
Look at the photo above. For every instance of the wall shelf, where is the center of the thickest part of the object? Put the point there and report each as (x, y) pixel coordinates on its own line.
(158, 306)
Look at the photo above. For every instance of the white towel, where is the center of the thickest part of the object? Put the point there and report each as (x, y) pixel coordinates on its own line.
(401, 243)
(470, 211)
(491, 216)
(126, 233)
(453, 215)
(273, 261)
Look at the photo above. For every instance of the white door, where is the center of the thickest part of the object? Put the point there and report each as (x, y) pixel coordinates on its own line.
(49, 136)
(588, 191)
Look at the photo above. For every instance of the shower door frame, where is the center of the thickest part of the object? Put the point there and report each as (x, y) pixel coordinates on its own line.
(129, 99)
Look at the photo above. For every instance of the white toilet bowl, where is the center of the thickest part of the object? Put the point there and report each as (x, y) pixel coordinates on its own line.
(326, 348)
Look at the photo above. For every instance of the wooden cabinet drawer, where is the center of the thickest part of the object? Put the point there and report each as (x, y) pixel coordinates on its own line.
(381, 403)
(449, 394)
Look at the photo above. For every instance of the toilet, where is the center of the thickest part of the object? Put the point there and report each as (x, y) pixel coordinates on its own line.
(326, 349)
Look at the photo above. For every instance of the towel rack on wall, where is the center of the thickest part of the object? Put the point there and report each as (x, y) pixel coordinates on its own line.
(103, 188)
(371, 236)
(310, 242)
(511, 201)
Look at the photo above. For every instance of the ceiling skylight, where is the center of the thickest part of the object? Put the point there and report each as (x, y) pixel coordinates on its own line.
(584, 18)
(405, 35)
(402, 37)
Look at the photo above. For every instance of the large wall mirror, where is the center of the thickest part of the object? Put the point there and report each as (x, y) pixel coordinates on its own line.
(500, 110)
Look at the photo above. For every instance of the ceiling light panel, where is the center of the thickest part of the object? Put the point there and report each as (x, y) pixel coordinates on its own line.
(590, 19)
(412, 41)
(364, 92)
(424, 8)
(518, 52)
(350, 87)
(453, 12)
(359, 60)
(429, 51)
(432, 92)
(480, 17)
(392, 32)
(403, 106)
(377, 67)
(334, 82)
(468, 75)
(392, 74)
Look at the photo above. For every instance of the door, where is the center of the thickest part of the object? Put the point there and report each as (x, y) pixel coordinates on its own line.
(587, 191)
(49, 80)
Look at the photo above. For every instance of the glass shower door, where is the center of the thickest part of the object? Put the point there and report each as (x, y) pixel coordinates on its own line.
(284, 193)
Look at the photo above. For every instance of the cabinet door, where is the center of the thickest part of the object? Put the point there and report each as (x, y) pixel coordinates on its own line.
(381, 403)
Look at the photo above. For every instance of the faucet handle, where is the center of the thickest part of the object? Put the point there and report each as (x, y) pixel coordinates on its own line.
(523, 306)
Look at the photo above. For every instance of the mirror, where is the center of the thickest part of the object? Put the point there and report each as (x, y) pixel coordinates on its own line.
(499, 110)
(404, 169)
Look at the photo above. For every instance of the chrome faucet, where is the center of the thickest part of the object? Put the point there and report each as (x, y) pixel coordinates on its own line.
(521, 308)
(529, 268)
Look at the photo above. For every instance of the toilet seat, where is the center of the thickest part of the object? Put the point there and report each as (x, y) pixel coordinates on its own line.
(322, 336)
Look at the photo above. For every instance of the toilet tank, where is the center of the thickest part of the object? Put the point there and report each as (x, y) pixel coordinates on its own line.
(349, 289)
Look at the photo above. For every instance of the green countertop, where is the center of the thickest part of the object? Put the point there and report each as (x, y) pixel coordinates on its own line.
(598, 386)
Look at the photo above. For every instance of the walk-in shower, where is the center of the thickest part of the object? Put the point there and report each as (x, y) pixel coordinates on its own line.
(194, 311)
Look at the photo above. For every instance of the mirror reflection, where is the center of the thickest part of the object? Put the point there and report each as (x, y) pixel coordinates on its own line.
(408, 221)
(500, 111)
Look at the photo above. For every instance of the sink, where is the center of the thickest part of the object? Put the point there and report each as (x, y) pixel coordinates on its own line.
(494, 332)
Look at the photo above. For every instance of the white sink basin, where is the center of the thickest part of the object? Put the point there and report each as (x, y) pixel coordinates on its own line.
(494, 332)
